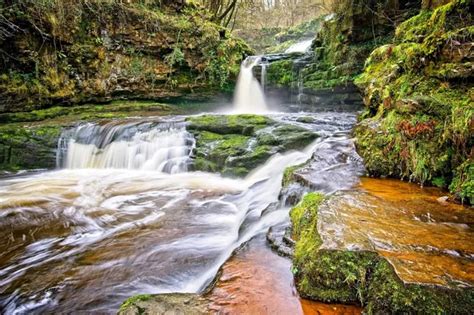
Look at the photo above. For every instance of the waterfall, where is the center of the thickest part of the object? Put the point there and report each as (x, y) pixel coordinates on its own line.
(164, 147)
(300, 47)
(249, 97)
(263, 75)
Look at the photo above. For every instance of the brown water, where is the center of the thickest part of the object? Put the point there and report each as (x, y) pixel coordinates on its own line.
(257, 281)
(84, 240)
(426, 240)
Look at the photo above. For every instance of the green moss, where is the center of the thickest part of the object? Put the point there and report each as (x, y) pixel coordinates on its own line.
(304, 216)
(132, 300)
(420, 100)
(236, 144)
(463, 181)
(363, 277)
(281, 73)
(223, 124)
(23, 147)
(89, 111)
(288, 174)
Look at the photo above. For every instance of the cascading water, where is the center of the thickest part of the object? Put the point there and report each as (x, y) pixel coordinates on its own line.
(263, 75)
(86, 239)
(300, 47)
(164, 147)
(249, 96)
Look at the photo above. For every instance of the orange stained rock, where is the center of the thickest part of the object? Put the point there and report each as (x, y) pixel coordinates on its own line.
(257, 281)
(425, 240)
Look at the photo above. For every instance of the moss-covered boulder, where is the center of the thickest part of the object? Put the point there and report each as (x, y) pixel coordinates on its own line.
(419, 96)
(366, 248)
(161, 304)
(78, 51)
(28, 147)
(236, 144)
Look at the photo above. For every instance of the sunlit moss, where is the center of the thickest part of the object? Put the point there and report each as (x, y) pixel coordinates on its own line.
(362, 277)
(420, 99)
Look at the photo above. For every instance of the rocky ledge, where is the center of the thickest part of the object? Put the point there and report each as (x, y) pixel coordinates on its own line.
(387, 245)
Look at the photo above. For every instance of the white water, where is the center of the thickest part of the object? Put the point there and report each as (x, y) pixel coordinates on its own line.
(249, 97)
(140, 146)
(170, 232)
(86, 239)
(300, 47)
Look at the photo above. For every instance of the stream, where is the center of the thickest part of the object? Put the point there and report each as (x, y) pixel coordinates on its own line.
(124, 215)
(125, 212)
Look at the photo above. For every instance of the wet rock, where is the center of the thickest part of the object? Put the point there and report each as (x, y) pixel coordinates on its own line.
(306, 119)
(334, 166)
(387, 245)
(279, 239)
(28, 147)
(161, 304)
(236, 144)
(443, 200)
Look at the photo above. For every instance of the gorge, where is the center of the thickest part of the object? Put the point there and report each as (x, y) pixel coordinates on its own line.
(152, 163)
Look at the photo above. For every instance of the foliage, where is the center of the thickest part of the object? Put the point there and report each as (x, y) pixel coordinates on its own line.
(75, 51)
(281, 73)
(419, 95)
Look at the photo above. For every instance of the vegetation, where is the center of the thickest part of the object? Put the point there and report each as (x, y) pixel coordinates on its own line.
(420, 102)
(76, 51)
(363, 277)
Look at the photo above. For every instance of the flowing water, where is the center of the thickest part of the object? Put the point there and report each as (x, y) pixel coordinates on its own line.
(143, 145)
(249, 97)
(300, 47)
(125, 216)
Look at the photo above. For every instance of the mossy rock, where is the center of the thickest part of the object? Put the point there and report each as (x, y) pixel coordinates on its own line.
(23, 147)
(226, 124)
(161, 304)
(420, 99)
(281, 74)
(234, 145)
(115, 109)
(360, 276)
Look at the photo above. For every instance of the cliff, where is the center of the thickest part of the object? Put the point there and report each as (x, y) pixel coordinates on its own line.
(66, 52)
(419, 95)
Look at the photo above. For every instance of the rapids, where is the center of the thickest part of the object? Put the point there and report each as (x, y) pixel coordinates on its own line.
(89, 235)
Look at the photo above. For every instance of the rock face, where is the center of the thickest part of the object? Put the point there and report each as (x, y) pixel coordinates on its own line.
(28, 147)
(343, 41)
(77, 51)
(388, 245)
(348, 36)
(234, 145)
(419, 95)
